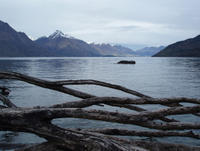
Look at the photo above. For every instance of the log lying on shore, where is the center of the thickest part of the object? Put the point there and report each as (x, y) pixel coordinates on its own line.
(38, 119)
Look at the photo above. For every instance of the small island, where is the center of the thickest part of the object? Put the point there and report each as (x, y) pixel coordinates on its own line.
(126, 62)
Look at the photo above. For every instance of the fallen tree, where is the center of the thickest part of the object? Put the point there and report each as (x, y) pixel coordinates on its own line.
(38, 119)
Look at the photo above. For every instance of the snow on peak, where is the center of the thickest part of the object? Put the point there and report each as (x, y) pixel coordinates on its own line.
(59, 34)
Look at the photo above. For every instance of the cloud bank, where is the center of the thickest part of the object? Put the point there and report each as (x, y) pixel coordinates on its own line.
(147, 22)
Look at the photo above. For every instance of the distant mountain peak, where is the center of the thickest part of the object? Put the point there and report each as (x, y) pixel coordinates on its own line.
(106, 49)
(149, 51)
(60, 34)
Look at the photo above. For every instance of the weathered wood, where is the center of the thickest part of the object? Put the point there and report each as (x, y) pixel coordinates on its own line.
(7, 102)
(38, 119)
(4, 90)
(124, 132)
(158, 146)
(44, 84)
(100, 83)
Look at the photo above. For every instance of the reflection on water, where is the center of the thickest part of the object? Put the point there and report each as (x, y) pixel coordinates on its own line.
(8, 137)
(157, 77)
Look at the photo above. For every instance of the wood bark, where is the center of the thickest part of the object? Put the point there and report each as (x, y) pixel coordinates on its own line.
(38, 119)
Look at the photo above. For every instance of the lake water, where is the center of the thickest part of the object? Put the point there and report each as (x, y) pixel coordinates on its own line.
(157, 77)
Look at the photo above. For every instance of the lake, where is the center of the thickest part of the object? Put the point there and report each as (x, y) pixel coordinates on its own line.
(156, 77)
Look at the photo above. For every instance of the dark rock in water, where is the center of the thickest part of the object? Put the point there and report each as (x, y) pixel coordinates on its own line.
(126, 62)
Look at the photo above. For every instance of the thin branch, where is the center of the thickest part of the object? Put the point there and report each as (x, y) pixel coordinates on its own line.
(3, 107)
(7, 102)
(159, 146)
(117, 100)
(113, 101)
(4, 88)
(100, 83)
(168, 101)
(44, 84)
(58, 85)
(123, 132)
(128, 106)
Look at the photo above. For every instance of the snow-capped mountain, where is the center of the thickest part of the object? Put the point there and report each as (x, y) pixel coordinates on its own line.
(58, 44)
(65, 45)
(60, 34)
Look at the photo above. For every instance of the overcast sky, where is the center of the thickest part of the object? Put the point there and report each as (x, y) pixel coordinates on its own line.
(149, 22)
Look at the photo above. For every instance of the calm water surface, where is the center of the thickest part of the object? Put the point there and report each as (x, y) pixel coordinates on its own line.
(157, 77)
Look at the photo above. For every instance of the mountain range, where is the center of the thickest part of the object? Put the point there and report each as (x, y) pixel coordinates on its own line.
(186, 48)
(63, 45)
(115, 50)
(58, 44)
(148, 51)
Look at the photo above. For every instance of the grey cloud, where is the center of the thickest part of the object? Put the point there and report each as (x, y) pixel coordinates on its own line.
(152, 22)
(127, 28)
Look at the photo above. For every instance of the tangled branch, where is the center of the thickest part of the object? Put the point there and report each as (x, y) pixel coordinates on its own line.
(38, 119)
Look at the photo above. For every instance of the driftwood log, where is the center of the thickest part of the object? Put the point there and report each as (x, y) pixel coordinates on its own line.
(37, 120)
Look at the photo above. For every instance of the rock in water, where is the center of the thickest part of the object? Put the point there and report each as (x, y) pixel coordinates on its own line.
(126, 62)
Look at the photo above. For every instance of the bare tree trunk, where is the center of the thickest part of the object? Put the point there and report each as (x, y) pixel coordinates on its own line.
(37, 120)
